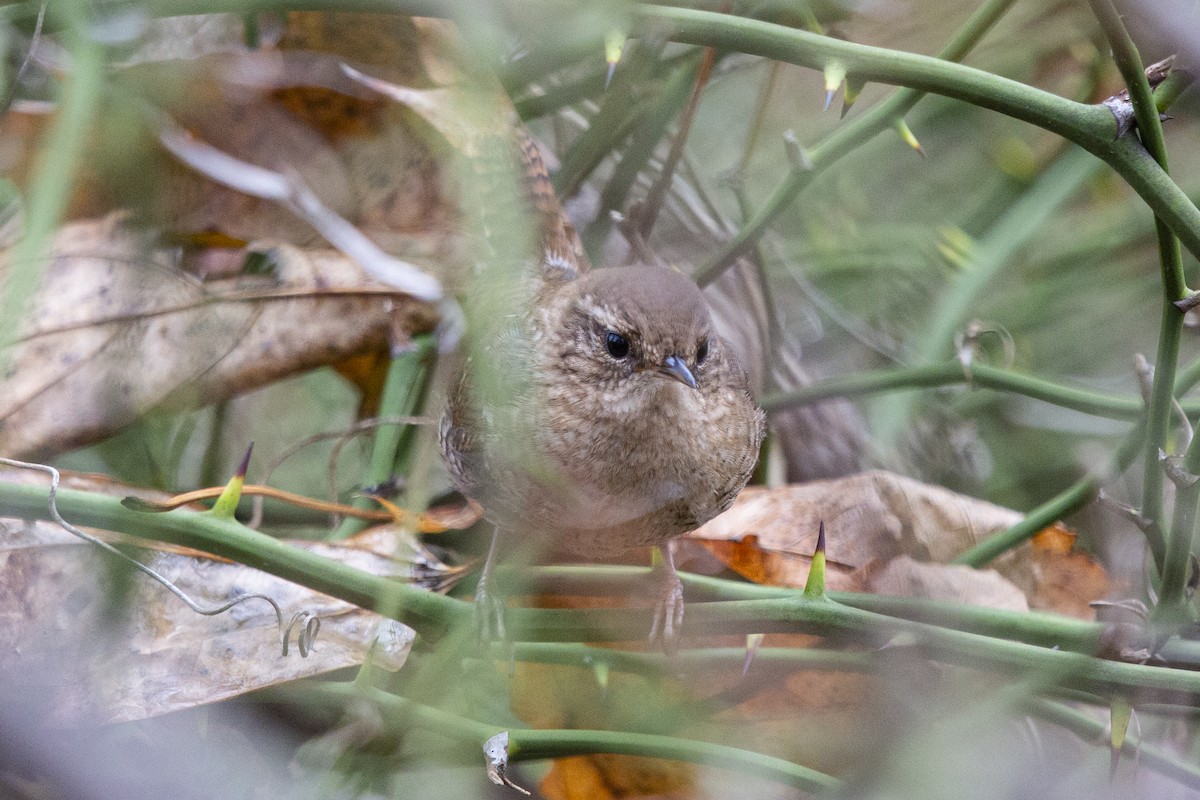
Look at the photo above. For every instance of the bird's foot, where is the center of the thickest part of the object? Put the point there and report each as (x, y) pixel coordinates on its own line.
(488, 614)
(667, 626)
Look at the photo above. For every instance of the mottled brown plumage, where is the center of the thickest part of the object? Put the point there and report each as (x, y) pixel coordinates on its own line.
(602, 444)
(574, 438)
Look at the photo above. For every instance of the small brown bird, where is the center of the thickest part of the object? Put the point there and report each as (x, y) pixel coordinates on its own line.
(606, 415)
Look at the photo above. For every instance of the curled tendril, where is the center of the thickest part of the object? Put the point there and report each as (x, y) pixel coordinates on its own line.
(311, 623)
(309, 626)
(968, 344)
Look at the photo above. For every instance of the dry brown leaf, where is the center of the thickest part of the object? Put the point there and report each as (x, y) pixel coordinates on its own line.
(116, 331)
(876, 518)
(882, 532)
(904, 577)
(1060, 578)
(147, 336)
(59, 634)
(294, 110)
(575, 778)
(619, 776)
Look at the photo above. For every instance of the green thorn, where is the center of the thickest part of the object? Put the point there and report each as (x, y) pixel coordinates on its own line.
(600, 670)
(808, 19)
(1120, 712)
(835, 73)
(814, 587)
(854, 88)
(753, 642)
(801, 160)
(227, 503)
(614, 45)
(909, 137)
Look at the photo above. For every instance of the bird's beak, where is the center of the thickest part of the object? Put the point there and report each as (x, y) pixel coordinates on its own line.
(674, 367)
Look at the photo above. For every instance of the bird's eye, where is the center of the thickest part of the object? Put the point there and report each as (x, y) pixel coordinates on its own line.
(618, 345)
(701, 351)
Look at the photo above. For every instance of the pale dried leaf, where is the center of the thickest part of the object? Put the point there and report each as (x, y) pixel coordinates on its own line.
(904, 577)
(115, 331)
(868, 517)
(160, 656)
(891, 534)
(58, 635)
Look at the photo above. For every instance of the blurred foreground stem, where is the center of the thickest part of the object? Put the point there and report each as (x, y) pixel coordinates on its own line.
(1173, 561)
(524, 744)
(434, 615)
(403, 389)
(986, 259)
(54, 167)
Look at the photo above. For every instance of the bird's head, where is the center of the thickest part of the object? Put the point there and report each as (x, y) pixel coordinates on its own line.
(641, 328)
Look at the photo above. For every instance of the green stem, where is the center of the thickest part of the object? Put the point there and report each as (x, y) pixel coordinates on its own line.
(1044, 630)
(1092, 730)
(1030, 627)
(429, 612)
(1171, 318)
(334, 698)
(555, 98)
(692, 660)
(402, 391)
(845, 140)
(212, 465)
(662, 182)
(1176, 559)
(951, 373)
(1173, 561)
(641, 147)
(624, 109)
(433, 614)
(1173, 600)
(1187, 379)
(824, 617)
(54, 168)
(1092, 127)
(526, 744)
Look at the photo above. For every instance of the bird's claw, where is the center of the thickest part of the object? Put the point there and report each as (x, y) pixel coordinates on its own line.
(667, 626)
(488, 615)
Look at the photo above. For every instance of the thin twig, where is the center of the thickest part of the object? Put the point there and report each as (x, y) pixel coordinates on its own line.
(256, 516)
(654, 200)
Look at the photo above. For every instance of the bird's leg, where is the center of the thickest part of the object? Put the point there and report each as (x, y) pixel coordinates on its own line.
(668, 610)
(488, 611)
